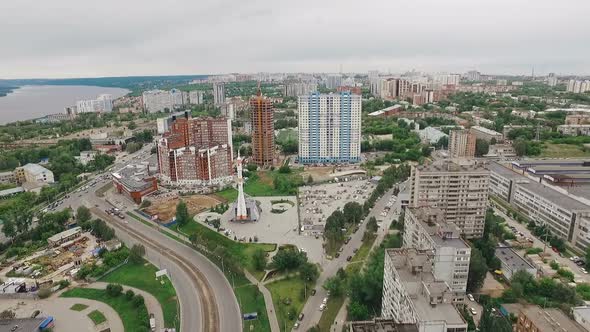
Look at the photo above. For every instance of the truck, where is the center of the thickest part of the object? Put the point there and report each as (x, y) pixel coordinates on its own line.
(152, 323)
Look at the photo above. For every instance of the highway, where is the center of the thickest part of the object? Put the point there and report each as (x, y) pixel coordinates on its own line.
(207, 301)
(311, 311)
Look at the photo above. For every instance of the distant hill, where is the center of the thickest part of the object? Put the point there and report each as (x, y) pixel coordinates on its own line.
(133, 83)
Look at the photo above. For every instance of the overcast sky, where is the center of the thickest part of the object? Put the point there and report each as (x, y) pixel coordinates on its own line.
(80, 38)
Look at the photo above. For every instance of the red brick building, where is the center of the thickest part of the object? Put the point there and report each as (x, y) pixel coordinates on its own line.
(352, 89)
(196, 151)
(263, 136)
(135, 181)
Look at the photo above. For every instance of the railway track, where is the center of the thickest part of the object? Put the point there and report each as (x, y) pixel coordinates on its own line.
(209, 311)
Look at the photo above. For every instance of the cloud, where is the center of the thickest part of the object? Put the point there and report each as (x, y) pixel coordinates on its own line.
(68, 38)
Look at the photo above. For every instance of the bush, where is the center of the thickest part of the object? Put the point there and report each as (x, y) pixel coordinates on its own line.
(44, 293)
(138, 300)
(114, 290)
(63, 284)
(129, 294)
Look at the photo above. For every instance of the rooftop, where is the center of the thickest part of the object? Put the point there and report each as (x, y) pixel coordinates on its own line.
(381, 325)
(485, 130)
(134, 176)
(35, 168)
(510, 258)
(11, 191)
(64, 234)
(452, 166)
(551, 320)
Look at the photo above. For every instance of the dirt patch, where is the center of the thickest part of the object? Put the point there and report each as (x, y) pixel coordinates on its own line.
(318, 173)
(166, 208)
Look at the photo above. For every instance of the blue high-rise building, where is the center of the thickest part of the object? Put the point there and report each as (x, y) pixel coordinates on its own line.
(329, 128)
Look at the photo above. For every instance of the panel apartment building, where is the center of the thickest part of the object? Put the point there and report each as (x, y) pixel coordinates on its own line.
(196, 151)
(412, 295)
(461, 144)
(565, 216)
(426, 229)
(329, 128)
(459, 190)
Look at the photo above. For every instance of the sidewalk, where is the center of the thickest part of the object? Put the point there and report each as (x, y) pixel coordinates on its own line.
(270, 308)
(340, 319)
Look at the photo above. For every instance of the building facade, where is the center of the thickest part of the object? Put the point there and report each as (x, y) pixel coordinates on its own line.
(196, 97)
(103, 103)
(196, 151)
(329, 128)
(218, 93)
(460, 191)
(161, 100)
(461, 144)
(135, 181)
(263, 137)
(574, 130)
(33, 173)
(299, 89)
(536, 319)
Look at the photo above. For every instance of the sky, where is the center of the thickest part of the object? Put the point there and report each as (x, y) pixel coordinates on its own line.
(73, 38)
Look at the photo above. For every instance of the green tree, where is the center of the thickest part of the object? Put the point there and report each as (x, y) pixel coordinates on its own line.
(358, 311)
(137, 253)
(114, 290)
(334, 285)
(83, 215)
(259, 259)
(309, 272)
(477, 271)
(481, 147)
(288, 259)
(182, 216)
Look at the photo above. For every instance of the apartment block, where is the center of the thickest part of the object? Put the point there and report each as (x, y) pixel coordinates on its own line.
(459, 190)
(218, 93)
(103, 103)
(461, 144)
(329, 128)
(299, 89)
(413, 295)
(574, 130)
(196, 97)
(161, 100)
(333, 81)
(426, 229)
(196, 151)
(487, 134)
(565, 216)
(263, 134)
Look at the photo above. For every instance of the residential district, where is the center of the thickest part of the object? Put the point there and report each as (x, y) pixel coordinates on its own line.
(430, 202)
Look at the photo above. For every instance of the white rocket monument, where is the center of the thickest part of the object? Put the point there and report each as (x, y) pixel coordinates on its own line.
(241, 211)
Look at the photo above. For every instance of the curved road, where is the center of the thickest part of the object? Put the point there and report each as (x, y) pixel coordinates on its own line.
(207, 301)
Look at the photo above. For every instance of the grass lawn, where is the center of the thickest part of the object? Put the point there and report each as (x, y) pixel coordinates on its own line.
(238, 249)
(230, 194)
(551, 150)
(78, 307)
(252, 300)
(97, 317)
(124, 308)
(364, 250)
(292, 289)
(330, 313)
(142, 276)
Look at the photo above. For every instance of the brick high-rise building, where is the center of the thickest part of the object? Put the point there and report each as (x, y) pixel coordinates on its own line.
(461, 144)
(263, 136)
(196, 151)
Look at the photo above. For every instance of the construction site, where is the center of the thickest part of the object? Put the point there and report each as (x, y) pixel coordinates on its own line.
(164, 209)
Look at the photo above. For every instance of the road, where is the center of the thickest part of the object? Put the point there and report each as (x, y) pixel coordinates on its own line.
(563, 261)
(311, 308)
(207, 301)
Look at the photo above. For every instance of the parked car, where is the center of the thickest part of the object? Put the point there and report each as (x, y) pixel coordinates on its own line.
(313, 291)
(470, 297)
(301, 315)
(473, 312)
(349, 258)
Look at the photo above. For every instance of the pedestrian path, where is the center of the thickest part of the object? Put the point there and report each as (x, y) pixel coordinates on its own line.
(270, 308)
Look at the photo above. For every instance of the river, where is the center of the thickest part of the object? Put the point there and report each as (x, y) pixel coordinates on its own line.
(35, 101)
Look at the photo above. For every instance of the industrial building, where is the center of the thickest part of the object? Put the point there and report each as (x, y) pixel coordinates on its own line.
(329, 128)
(413, 295)
(459, 190)
(263, 137)
(546, 204)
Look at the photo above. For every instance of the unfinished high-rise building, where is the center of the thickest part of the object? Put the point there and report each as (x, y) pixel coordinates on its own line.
(263, 137)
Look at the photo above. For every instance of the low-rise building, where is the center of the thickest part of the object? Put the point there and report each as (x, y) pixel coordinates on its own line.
(65, 236)
(135, 181)
(431, 135)
(86, 156)
(501, 151)
(530, 114)
(536, 319)
(33, 175)
(381, 325)
(412, 295)
(512, 262)
(574, 130)
(7, 177)
(486, 134)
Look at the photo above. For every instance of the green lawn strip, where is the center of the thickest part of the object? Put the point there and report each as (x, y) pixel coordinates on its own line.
(97, 317)
(78, 307)
(229, 194)
(252, 300)
(293, 289)
(365, 249)
(237, 249)
(124, 308)
(329, 314)
(142, 276)
(138, 218)
(551, 150)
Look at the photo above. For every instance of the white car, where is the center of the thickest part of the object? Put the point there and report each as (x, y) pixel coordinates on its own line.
(322, 307)
(325, 301)
(473, 312)
(470, 297)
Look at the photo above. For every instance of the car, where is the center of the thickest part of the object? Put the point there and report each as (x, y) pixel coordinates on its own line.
(337, 254)
(473, 312)
(14, 328)
(325, 300)
(322, 307)
(296, 326)
(313, 291)
(349, 258)
(470, 297)
(574, 258)
(35, 313)
(355, 250)
(301, 315)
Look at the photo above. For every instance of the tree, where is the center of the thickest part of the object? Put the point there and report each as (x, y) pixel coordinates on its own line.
(334, 285)
(288, 259)
(520, 147)
(182, 216)
(309, 179)
(358, 311)
(83, 215)
(372, 225)
(114, 290)
(477, 271)
(308, 272)
(7, 315)
(137, 253)
(259, 259)
(482, 147)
